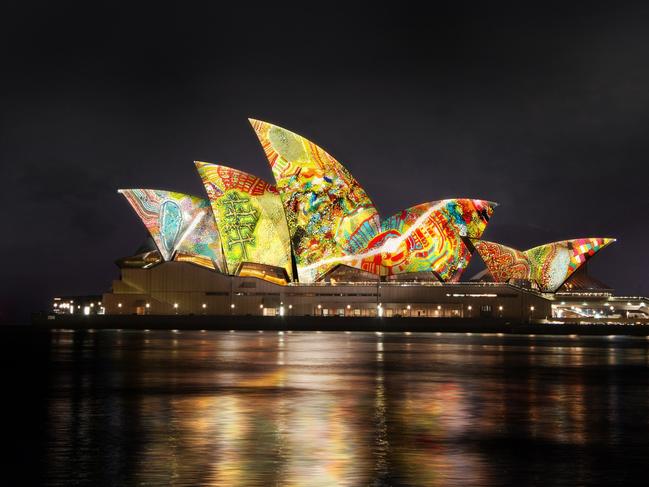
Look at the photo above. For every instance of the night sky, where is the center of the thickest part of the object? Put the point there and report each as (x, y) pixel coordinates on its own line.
(542, 107)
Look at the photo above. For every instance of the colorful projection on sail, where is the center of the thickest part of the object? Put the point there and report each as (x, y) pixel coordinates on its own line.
(427, 238)
(182, 226)
(548, 265)
(329, 214)
(249, 216)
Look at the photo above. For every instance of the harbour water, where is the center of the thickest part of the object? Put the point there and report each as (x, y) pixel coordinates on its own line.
(248, 408)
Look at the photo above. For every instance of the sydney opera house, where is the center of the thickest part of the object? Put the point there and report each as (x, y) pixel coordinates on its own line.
(314, 244)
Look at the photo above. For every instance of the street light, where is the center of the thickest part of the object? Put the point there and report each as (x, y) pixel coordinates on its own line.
(530, 316)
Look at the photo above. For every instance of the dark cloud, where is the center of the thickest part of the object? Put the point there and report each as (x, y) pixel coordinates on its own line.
(540, 106)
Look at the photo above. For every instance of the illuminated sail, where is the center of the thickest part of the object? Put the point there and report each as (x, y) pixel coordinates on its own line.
(249, 216)
(548, 265)
(182, 226)
(329, 214)
(427, 238)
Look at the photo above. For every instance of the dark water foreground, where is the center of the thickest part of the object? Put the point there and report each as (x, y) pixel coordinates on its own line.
(247, 408)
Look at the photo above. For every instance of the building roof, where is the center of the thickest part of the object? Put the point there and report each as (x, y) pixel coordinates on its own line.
(318, 218)
(548, 265)
(178, 223)
(249, 216)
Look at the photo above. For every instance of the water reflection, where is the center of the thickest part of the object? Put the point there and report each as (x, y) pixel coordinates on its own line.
(343, 409)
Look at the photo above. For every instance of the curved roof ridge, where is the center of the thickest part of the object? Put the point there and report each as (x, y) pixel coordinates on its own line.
(230, 168)
(606, 240)
(161, 190)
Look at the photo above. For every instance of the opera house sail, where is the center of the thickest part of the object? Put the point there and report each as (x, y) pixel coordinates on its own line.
(548, 266)
(182, 226)
(427, 238)
(329, 214)
(249, 217)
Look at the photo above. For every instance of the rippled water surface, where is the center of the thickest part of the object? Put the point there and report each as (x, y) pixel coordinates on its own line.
(218, 408)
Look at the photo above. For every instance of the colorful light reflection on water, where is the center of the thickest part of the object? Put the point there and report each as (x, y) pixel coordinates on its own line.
(305, 409)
